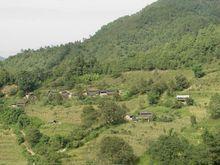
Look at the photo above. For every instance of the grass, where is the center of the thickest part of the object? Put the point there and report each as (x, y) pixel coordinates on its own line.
(10, 151)
(138, 135)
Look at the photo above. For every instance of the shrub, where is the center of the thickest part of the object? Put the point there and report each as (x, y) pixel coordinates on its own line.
(23, 121)
(190, 101)
(193, 120)
(153, 98)
(181, 82)
(13, 91)
(198, 71)
(89, 116)
(170, 149)
(115, 150)
(166, 118)
(177, 104)
(1, 94)
(214, 106)
(33, 136)
(111, 112)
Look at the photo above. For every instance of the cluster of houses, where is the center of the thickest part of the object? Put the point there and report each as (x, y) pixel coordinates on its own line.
(142, 116)
(94, 93)
(29, 97)
(149, 116)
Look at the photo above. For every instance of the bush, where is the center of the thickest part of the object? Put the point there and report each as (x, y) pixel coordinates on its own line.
(170, 149)
(153, 98)
(1, 94)
(166, 118)
(10, 116)
(23, 121)
(115, 150)
(177, 104)
(33, 136)
(198, 71)
(111, 112)
(181, 82)
(214, 106)
(193, 120)
(190, 101)
(89, 116)
(13, 91)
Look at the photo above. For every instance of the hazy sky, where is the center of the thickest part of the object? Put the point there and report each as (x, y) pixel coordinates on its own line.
(35, 23)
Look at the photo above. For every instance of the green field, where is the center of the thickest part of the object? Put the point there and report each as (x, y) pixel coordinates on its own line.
(10, 151)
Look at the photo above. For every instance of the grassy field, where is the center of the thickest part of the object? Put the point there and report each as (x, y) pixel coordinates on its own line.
(10, 151)
(139, 135)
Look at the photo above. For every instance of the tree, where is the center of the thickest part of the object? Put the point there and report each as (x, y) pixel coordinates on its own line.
(181, 82)
(4, 77)
(198, 71)
(189, 101)
(115, 150)
(193, 120)
(153, 97)
(214, 106)
(89, 116)
(23, 121)
(212, 142)
(112, 113)
(33, 136)
(26, 81)
(170, 149)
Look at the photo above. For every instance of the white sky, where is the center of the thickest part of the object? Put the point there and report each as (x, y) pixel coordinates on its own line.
(35, 23)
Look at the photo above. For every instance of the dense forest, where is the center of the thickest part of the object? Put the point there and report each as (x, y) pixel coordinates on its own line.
(178, 33)
(83, 102)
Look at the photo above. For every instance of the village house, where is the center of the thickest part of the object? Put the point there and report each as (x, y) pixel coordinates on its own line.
(101, 92)
(128, 118)
(91, 93)
(182, 98)
(146, 116)
(66, 94)
(30, 97)
(107, 92)
(20, 104)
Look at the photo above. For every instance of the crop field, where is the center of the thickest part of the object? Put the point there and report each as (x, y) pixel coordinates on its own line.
(10, 151)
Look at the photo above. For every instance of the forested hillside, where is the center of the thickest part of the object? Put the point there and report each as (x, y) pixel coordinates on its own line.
(173, 31)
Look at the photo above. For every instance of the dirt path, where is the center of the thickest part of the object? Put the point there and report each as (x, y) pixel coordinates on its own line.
(26, 145)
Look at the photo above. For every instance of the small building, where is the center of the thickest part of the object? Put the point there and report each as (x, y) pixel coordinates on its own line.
(146, 116)
(182, 98)
(130, 118)
(30, 96)
(108, 92)
(92, 93)
(20, 104)
(66, 94)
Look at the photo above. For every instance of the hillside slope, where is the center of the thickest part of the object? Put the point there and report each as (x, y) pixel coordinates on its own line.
(178, 32)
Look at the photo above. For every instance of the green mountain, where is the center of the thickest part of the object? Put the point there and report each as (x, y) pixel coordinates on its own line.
(168, 34)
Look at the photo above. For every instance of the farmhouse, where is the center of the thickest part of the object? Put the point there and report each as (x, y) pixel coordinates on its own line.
(107, 92)
(91, 93)
(66, 94)
(182, 98)
(146, 116)
(30, 97)
(101, 92)
(20, 104)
